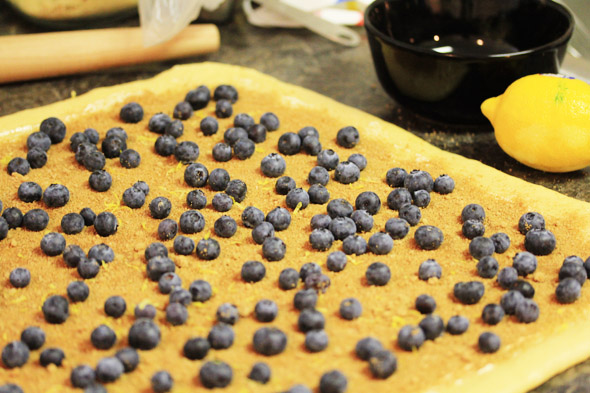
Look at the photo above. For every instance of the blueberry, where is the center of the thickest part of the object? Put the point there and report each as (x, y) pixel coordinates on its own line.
(184, 245)
(297, 197)
(209, 126)
(186, 152)
(252, 217)
(155, 249)
(457, 324)
(318, 194)
(208, 249)
(507, 277)
(399, 197)
(169, 281)
(14, 217)
(492, 314)
(382, 364)
(3, 228)
(75, 140)
(310, 319)
(221, 336)
(378, 274)
(159, 265)
(444, 184)
(311, 145)
(473, 211)
(225, 226)
(568, 291)
(253, 271)
(29, 192)
(432, 326)
(428, 237)
(342, 227)
(530, 220)
(39, 140)
(243, 120)
(159, 122)
(308, 269)
(117, 132)
(396, 177)
(100, 181)
(524, 287)
(481, 247)
(82, 376)
(501, 242)
(257, 133)
(55, 128)
(222, 202)
(472, 229)
(227, 313)
(201, 290)
(131, 113)
(144, 334)
(162, 382)
(56, 195)
(106, 224)
(354, 244)
(109, 369)
(165, 145)
(525, 263)
(289, 144)
(573, 270)
(160, 207)
(88, 268)
(233, 134)
(397, 228)
(113, 146)
(318, 175)
(425, 304)
(288, 279)
(52, 356)
(328, 159)
(367, 347)
(347, 137)
(18, 165)
(192, 221)
(103, 337)
(15, 354)
(280, 218)
(411, 214)
(35, 220)
(144, 311)
(196, 348)
(19, 277)
(176, 314)
(260, 372)
(418, 180)
(359, 160)
(273, 165)
(363, 220)
(88, 215)
(92, 135)
(410, 337)
(429, 269)
(237, 189)
(225, 92)
(510, 300)
(78, 291)
(53, 244)
(215, 374)
(195, 199)
(36, 157)
(527, 311)
(273, 249)
(262, 231)
(350, 309)
(10, 388)
(129, 159)
(33, 337)
(270, 121)
(487, 267)
(115, 306)
(488, 342)
(421, 198)
(218, 179)
(469, 292)
(175, 129)
(318, 282)
(266, 310)
(540, 241)
(198, 98)
(380, 243)
(223, 109)
(72, 223)
(244, 149)
(346, 172)
(316, 340)
(133, 198)
(183, 110)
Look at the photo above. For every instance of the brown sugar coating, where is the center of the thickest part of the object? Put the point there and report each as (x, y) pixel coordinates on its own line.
(437, 364)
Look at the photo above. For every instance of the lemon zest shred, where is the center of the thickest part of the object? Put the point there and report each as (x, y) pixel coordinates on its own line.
(297, 208)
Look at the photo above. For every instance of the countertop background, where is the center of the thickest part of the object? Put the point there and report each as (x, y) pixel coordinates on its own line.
(345, 74)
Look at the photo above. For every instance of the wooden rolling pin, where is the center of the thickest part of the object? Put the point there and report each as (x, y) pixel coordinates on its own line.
(33, 56)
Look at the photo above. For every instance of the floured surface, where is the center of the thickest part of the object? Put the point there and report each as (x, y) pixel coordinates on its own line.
(529, 354)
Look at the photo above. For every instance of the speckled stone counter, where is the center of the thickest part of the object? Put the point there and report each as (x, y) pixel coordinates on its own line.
(345, 74)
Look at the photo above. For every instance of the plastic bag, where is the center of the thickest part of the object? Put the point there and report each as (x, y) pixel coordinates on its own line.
(163, 19)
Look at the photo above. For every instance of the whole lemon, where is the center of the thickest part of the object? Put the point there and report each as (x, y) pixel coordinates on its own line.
(543, 121)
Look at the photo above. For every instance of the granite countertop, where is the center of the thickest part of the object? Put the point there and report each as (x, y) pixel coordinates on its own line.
(345, 74)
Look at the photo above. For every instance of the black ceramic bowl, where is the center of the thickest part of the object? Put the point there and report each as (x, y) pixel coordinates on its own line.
(443, 58)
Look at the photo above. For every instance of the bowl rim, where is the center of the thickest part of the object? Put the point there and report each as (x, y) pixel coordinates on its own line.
(563, 38)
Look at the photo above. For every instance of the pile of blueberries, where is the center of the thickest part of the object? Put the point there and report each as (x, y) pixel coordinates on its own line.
(411, 192)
